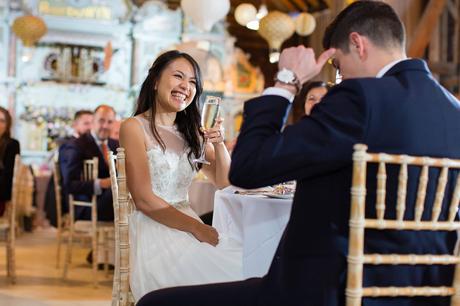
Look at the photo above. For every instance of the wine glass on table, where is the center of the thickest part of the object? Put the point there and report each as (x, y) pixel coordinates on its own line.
(208, 120)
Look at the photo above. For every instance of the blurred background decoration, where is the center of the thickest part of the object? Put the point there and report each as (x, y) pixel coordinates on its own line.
(205, 13)
(29, 29)
(276, 27)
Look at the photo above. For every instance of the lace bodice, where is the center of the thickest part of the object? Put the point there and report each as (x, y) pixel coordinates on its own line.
(170, 171)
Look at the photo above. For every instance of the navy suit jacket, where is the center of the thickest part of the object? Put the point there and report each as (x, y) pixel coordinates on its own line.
(405, 111)
(72, 155)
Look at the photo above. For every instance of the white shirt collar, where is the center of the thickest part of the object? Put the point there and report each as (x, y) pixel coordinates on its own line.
(388, 67)
(98, 141)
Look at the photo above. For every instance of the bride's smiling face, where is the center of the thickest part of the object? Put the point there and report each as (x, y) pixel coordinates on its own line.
(176, 87)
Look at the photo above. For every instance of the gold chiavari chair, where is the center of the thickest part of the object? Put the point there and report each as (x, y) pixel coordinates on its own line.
(24, 198)
(121, 293)
(62, 221)
(358, 223)
(97, 232)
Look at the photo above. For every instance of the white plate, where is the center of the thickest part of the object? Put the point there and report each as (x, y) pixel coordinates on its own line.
(286, 196)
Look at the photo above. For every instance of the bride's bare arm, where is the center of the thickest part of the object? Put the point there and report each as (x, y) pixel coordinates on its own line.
(138, 179)
(217, 154)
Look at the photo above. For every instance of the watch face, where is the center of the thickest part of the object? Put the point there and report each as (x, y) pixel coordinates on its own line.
(285, 76)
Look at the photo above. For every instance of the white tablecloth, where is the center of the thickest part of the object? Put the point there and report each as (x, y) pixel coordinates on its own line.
(255, 221)
(201, 196)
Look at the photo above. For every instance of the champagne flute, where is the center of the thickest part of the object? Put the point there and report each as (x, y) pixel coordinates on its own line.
(208, 121)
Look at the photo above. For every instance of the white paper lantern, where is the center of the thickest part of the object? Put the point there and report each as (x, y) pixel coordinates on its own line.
(205, 13)
(305, 24)
(244, 13)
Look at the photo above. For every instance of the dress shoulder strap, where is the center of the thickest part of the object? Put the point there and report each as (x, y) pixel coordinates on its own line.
(148, 137)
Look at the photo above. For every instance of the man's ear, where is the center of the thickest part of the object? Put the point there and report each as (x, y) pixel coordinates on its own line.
(358, 44)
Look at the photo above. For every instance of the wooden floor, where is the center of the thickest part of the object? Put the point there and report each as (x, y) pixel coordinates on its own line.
(39, 282)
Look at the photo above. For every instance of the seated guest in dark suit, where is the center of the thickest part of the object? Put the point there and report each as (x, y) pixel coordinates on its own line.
(9, 148)
(386, 101)
(95, 143)
(82, 124)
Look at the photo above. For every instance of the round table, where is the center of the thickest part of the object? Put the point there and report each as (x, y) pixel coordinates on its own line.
(256, 221)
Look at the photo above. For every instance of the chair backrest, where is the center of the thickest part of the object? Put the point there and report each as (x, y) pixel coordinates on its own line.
(90, 169)
(90, 172)
(23, 189)
(358, 223)
(58, 192)
(122, 208)
(10, 212)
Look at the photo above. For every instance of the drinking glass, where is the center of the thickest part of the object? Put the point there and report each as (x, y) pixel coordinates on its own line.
(208, 120)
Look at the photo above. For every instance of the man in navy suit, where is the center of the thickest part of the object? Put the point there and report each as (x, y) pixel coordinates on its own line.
(82, 123)
(95, 143)
(389, 102)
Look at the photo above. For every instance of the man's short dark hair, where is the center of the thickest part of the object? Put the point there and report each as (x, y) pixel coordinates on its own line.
(82, 113)
(374, 19)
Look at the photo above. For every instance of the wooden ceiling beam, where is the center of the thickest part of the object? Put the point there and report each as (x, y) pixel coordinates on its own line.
(289, 6)
(279, 6)
(426, 27)
(301, 4)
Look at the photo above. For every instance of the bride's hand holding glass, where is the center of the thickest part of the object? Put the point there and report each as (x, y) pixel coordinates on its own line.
(215, 134)
(209, 116)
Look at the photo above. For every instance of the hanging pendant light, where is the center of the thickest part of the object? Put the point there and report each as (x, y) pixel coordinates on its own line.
(261, 13)
(29, 29)
(275, 28)
(205, 13)
(305, 24)
(244, 13)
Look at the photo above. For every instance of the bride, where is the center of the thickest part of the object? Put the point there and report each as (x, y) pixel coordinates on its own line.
(170, 246)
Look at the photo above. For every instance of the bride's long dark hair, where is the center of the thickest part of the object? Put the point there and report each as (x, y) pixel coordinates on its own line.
(188, 120)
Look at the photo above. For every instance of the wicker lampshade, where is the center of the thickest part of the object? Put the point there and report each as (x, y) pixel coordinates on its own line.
(29, 29)
(275, 28)
(305, 24)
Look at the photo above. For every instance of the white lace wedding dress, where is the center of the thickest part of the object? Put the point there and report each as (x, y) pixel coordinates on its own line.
(161, 256)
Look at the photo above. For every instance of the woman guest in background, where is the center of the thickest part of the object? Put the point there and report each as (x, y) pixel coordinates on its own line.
(9, 147)
(313, 93)
(170, 246)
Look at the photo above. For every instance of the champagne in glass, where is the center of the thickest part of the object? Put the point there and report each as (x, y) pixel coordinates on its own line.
(208, 120)
(209, 114)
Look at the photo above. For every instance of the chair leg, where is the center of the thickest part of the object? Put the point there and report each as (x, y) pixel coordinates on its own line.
(116, 272)
(13, 265)
(10, 259)
(106, 252)
(8, 262)
(95, 257)
(58, 252)
(68, 255)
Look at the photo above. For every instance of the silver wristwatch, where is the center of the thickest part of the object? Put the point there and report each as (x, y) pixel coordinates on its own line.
(287, 76)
